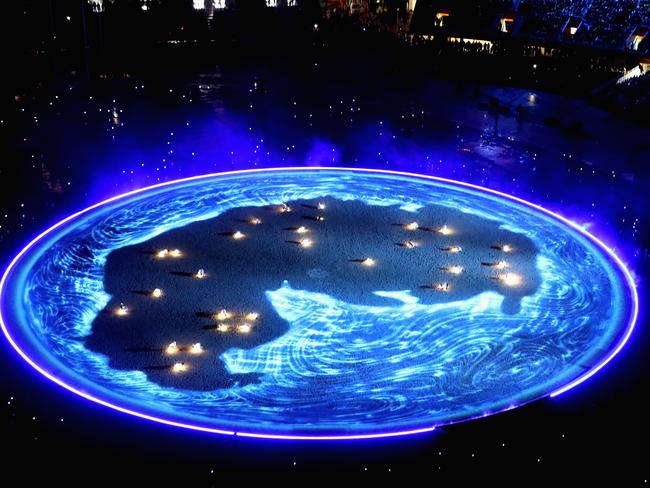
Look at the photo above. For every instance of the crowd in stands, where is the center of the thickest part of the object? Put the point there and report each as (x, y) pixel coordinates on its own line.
(602, 23)
(606, 23)
(612, 21)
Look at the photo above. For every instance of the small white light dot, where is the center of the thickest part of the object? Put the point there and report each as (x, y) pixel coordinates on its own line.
(222, 314)
(179, 367)
(510, 279)
(412, 226)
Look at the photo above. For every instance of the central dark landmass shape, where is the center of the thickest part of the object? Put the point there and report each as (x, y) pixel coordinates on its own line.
(239, 271)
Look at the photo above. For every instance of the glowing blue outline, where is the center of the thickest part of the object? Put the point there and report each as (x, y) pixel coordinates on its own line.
(575, 382)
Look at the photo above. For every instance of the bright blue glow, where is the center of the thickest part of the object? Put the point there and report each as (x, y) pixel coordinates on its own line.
(424, 365)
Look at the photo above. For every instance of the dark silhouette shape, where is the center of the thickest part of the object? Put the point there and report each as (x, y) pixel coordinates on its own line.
(239, 272)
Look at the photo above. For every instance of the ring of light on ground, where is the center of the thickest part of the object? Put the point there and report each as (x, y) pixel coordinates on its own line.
(409, 302)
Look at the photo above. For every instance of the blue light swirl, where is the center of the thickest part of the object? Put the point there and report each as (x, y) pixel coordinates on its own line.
(342, 370)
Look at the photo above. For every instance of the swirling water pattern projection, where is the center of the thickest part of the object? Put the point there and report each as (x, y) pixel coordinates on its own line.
(340, 369)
